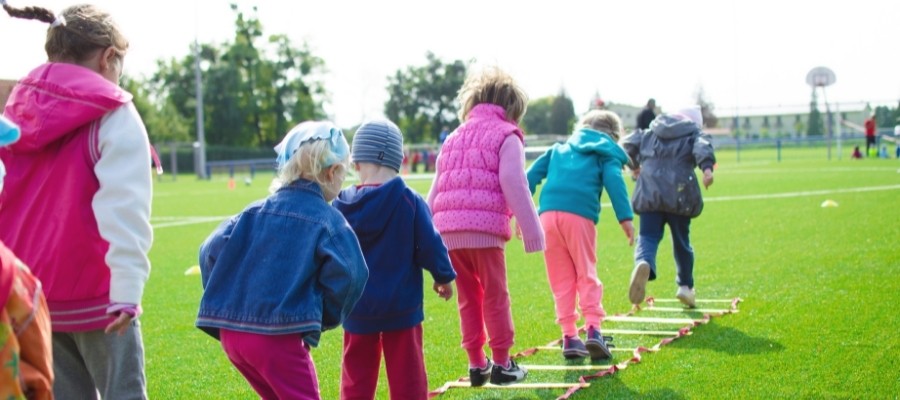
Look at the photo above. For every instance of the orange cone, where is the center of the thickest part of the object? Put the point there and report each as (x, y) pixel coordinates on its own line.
(230, 183)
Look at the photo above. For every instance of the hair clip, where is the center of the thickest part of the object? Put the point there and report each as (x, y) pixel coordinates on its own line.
(311, 131)
(60, 20)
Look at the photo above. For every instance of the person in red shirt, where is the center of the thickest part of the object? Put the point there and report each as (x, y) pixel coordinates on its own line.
(870, 132)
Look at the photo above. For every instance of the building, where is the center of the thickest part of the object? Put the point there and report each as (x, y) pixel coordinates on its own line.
(6, 86)
(788, 121)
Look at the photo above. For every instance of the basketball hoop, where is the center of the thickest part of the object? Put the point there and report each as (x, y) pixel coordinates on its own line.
(820, 77)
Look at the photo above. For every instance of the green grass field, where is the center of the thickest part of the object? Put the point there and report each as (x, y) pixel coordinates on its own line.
(819, 289)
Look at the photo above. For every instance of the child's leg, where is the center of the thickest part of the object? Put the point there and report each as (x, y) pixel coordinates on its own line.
(405, 363)
(681, 245)
(650, 234)
(490, 264)
(581, 237)
(113, 362)
(561, 272)
(359, 366)
(280, 365)
(470, 300)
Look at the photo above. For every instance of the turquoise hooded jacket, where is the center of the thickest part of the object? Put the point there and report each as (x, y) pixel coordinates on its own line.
(576, 173)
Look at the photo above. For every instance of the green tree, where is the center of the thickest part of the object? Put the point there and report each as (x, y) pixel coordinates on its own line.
(562, 114)
(422, 99)
(815, 126)
(163, 122)
(707, 109)
(537, 118)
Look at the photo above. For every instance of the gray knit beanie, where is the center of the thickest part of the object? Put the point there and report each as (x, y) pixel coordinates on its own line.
(379, 142)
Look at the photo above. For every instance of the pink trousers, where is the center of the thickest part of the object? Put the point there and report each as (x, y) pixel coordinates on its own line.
(277, 366)
(484, 304)
(572, 269)
(403, 360)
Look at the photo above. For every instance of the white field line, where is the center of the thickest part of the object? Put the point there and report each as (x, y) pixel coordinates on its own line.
(190, 220)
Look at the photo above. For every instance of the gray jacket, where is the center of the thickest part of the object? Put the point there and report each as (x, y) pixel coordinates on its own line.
(667, 154)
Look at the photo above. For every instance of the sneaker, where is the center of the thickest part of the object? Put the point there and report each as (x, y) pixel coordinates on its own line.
(573, 347)
(505, 376)
(479, 376)
(596, 345)
(639, 277)
(686, 296)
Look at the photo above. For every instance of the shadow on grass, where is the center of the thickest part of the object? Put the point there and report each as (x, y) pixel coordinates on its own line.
(610, 387)
(728, 340)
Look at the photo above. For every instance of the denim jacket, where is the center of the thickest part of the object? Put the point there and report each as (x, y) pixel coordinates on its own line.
(286, 264)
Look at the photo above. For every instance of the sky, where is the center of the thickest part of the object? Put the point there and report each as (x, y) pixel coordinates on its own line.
(746, 55)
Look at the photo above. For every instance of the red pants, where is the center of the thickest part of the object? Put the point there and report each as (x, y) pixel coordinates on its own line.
(483, 300)
(571, 258)
(403, 360)
(277, 366)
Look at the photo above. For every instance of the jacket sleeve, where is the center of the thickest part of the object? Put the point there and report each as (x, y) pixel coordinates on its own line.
(538, 170)
(430, 251)
(122, 204)
(616, 190)
(632, 146)
(703, 151)
(342, 274)
(212, 247)
(515, 191)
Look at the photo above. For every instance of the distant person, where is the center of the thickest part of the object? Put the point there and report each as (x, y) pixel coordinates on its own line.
(399, 241)
(576, 173)
(856, 153)
(871, 128)
(77, 205)
(667, 193)
(285, 269)
(897, 138)
(647, 114)
(443, 135)
(473, 198)
(883, 152)
(25, 335)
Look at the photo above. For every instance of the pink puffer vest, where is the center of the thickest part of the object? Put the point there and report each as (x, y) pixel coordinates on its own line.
(468, 196)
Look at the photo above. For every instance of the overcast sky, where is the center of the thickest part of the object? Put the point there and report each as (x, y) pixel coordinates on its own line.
(748, 54)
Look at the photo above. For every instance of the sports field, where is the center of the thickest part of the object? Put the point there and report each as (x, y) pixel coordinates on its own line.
(819, 289)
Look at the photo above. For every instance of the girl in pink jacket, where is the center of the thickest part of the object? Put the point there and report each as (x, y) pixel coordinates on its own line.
(478, 186)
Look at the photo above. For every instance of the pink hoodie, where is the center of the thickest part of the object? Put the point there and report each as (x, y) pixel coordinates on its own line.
(70, 165)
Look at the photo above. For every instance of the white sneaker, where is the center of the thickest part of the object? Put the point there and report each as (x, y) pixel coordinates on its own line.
(686, 296)
(639, 277)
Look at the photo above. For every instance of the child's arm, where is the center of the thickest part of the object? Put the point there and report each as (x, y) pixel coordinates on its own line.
(430, 251)
(432, 192)
(538, 170)
(342, 274)
(618, 195)
(705, 157)
(212, 247)
(515, 191)
(632, 146)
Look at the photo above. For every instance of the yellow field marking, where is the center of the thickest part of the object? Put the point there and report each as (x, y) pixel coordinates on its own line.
(698, 301)
(699, 310)
(559, 348)
(565, 367)
(639, 332)
(677, 321)
(521, 385)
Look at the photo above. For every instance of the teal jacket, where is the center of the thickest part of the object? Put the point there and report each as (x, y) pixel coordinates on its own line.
(577, 171)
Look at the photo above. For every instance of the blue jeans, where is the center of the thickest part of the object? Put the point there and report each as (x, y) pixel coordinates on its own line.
(651, 233)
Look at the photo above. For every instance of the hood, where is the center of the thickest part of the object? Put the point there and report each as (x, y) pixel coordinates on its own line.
(369, 209)
(588, 140)
(672, 127)
(56, 99)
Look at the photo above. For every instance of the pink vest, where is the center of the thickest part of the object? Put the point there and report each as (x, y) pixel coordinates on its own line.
(46, 215)
(468, 196)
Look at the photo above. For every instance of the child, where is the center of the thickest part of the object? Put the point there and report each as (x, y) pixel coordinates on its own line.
(25, 339)
(576, 173)
(83, 146)
(285, 269)
(398, 239)
(856, 153)
(479, 183)
(667, 192)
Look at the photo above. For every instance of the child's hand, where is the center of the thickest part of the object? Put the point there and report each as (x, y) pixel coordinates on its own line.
(635, 173)
(518, 231)
(444, 290)
(707, 178)
(120, 325)
(628, 228)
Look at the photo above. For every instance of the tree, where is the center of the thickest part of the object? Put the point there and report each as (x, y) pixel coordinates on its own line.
(253, 90)
(707, 109)
(422, 99)
(537, 118)
(815, 126)
(163, 122)
(562, 114)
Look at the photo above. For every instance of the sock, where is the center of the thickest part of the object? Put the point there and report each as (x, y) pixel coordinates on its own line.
(501, 357)
(477, 359)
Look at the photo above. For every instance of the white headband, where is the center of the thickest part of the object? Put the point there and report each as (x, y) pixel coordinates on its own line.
(60, 20)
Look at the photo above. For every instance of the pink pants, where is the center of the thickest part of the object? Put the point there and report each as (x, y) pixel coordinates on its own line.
(572, 269)
(277, 366)
(403, 360)
(483, 301)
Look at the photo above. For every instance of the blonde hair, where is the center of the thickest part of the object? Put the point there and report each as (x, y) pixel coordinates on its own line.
(310, 161)
(80, 31)
(603, 121)
(492, 86)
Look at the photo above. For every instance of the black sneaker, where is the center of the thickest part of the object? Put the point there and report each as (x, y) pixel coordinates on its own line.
(479, 376)
(573, 347)
(596, 345)
(505, 376)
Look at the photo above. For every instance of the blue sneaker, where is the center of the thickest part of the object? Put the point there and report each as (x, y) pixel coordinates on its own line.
(573, 347)
(479, 376)
(596, 345)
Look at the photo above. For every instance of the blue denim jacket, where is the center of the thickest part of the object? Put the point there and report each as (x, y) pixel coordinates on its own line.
(286, 264)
